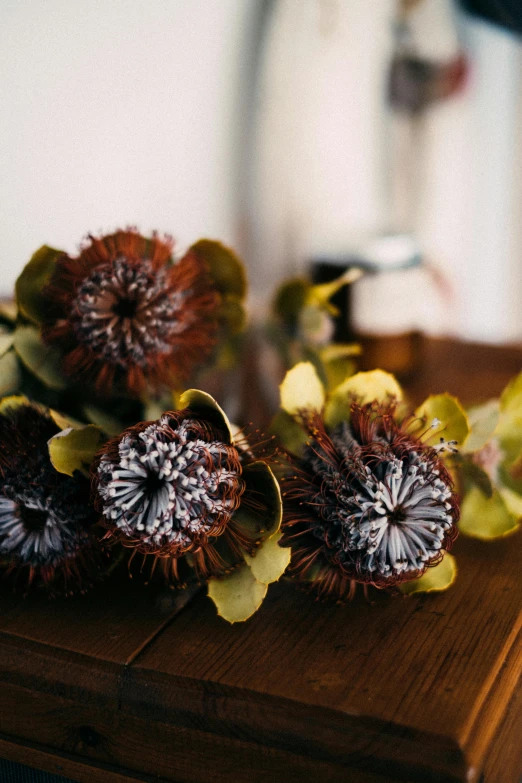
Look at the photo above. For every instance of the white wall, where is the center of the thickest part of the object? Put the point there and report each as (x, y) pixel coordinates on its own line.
(117, 112)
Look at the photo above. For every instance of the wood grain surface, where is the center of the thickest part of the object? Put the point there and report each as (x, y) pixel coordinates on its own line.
(129, 685)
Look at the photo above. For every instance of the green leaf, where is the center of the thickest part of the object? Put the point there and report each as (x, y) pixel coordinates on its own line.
(270, 560)
(483, 420)
(234, 314)
(6, 341)
(436, 579)
(261, 506)
(30, 285)
(511, 397)
(238, 595)
(482, 517)
(447, 410)
(108, 423)
(13, 402)
(65, 422)
(474, 474)
(364, 387)
(302, 390)
(42, 360)
(8, 312)
(72, 450)
(290, 299)
(204, 404)
(288, 432)
(513, 502)
(321, 294)
(225, 267)
(10, 376)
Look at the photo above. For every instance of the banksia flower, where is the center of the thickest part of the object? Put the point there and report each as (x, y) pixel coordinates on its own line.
(368, 500)
(124, 317)
(45, 516)
(182, 493)
(124, 314)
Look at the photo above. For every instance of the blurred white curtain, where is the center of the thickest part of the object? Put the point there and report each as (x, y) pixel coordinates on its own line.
(324, 149)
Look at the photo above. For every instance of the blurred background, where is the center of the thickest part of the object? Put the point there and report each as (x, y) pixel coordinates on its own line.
(291, 130)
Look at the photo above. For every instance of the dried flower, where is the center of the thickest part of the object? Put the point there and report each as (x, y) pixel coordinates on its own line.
(369, 503)
(45, 516)
(123, 314)
(172, 488)
(368, 499)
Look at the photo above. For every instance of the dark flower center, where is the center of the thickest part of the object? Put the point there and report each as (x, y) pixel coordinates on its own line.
(126, 313)
(34, 519)
(125, 308)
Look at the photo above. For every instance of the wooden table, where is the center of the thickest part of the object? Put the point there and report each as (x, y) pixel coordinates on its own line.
(125, 684)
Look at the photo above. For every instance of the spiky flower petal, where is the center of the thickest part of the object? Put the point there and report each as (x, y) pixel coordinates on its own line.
(125, 316)
(45, 516)
(369, 502)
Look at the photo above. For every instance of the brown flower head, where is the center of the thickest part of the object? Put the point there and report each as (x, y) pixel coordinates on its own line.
(368, 502)
(125, 316)
(45, 516)
(170, 488)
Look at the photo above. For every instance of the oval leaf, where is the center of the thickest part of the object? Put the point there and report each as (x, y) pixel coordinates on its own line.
(105, 421)
(290, 299)
(482, 517)
(447, 410)
(288, 432)
(225, 267)
(302, 390)
(42, 360)
(483, 420)
(365, 387)
(29, 286)
(203, 403)
(436, 579)
(261, 508)
(13, 402)
(10, 376)
(238, 595)
(72, 450)
(270, 561)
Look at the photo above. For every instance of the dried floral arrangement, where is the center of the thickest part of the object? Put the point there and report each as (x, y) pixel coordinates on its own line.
(107, 460)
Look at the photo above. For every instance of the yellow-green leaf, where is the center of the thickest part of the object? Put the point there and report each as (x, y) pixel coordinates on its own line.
(238, 595)
(108, 423)
(42, 360)
(13, 402)
(225, 267)
(261, 507)
(302, 390)
(288, 432)
(65, 422)
(513, 501)
(6, 341)
(72, 450)
(290, 299)
(270, 560)
(364, 387)
(321, 294)
(29, 286)
(234, 315)
(450, 415)
(436, 579)
(511, 397)
(10, 376)
(483, 420)
(486, 518)
(203, 403)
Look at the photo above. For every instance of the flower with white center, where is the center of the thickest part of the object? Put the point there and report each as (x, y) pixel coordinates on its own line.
(171, 489)
(369, 502)
(127, 318)
(45, 516)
